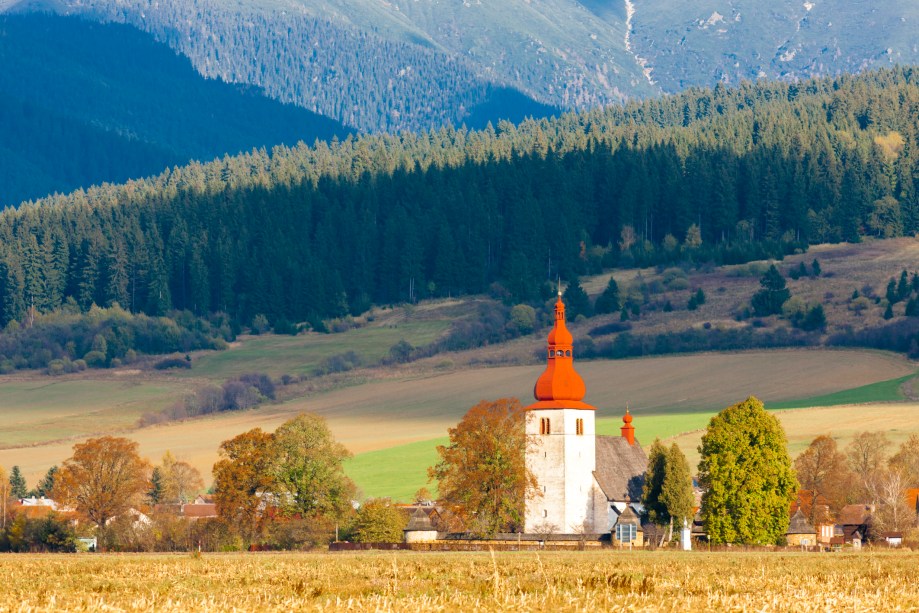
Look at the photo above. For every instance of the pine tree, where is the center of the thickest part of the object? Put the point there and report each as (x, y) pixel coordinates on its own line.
(46, 485)
(608, 301)
(655, 510)
(769, 300)
(155, 493)
(18, 487)
(903, 287)
(676, 490)
(576, 301)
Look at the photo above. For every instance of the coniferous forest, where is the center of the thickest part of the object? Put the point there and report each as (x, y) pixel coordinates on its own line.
(307, 232)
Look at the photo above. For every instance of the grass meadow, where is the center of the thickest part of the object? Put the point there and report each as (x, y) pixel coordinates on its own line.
(602, 580)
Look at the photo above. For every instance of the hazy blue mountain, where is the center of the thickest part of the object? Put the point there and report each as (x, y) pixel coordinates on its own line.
(82, 103)
(392, 66)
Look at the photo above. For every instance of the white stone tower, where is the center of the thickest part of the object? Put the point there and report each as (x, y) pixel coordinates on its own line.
(563, 454)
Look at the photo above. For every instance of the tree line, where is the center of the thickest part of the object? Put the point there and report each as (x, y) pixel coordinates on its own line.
(311, 232)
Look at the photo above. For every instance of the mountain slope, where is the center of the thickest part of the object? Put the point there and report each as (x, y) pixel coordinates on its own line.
(82, 103)
(701, 42)
(381, 66)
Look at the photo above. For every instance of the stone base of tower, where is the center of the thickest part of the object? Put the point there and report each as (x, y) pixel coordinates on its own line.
(562, 456)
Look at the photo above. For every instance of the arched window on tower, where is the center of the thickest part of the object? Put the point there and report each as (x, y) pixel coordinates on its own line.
(544, 426)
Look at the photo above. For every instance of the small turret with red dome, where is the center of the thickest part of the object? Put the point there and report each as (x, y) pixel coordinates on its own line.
(560, 386)
(628, 430)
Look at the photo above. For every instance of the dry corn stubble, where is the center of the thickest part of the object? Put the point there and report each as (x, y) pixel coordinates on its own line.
(601, 580)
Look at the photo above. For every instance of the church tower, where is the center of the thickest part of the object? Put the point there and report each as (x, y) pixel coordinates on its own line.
(563, 456)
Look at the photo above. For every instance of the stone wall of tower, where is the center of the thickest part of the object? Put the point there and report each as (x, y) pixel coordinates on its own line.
(563, 462)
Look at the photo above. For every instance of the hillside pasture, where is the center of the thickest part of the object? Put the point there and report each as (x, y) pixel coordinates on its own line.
(481, 581)
(47, 409)
(302, 354)
(668, 395)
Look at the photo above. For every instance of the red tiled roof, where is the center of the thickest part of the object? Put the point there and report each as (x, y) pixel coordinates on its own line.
(199, 510)
(854, 514)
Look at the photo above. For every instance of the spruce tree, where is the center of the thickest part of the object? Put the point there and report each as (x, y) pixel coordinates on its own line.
(576, 301)
(155, 493)
(676, 490)
(769, 300)
(18, 487)
(46, 485)
(654, 509)
(608, 301)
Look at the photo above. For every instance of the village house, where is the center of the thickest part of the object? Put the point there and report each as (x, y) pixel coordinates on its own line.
(800, 532)
(588, 483)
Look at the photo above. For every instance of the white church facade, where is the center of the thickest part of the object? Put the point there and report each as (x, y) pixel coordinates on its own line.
(585, 481)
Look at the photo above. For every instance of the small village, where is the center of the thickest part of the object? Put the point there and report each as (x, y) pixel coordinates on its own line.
(589, 491)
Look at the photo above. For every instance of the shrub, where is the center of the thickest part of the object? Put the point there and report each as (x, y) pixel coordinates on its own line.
(172, 363)
(95, 359)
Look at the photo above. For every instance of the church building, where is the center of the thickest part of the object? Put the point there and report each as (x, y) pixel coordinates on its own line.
(586, 482)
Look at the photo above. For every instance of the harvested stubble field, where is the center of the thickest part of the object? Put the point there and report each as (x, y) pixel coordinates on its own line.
(518, 581)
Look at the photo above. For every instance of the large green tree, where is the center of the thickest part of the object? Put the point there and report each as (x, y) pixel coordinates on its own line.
(482, 474)
(746, 475)
(308, 469)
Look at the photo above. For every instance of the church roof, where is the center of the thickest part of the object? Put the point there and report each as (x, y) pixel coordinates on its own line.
(419, 522)
(560, 386)
(799, 524)
(621, 468)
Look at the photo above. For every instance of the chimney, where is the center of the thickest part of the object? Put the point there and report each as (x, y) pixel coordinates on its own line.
(628, 430)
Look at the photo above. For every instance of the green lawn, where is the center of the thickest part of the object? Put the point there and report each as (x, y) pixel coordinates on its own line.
(299, 355)
(397, 472)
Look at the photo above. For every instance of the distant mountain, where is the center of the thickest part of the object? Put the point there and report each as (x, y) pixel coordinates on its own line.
(385, 66)
(379, 66)
(702, 42)
(82, 103)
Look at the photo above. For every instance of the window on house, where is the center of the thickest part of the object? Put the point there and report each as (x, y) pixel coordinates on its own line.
(626, 533)
(544, 427)
(579, 426)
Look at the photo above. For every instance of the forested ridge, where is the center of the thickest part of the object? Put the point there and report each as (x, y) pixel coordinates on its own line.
(82, 103)
(308, 232)
(326, 65)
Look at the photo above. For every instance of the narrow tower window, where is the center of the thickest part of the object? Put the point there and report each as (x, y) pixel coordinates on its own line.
(544, 427)
(579, 426)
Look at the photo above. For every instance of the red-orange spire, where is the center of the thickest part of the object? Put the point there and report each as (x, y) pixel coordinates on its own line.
(628, 430)
(559, 386)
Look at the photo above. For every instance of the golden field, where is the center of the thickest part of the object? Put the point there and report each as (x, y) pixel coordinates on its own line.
(514, 581)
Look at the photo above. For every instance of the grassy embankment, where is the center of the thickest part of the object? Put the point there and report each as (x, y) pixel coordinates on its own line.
(512, 581)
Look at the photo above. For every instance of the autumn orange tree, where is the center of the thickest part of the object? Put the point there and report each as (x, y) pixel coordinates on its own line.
(823, 471)
(482, 474)
(104, 478)
(242, 478)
